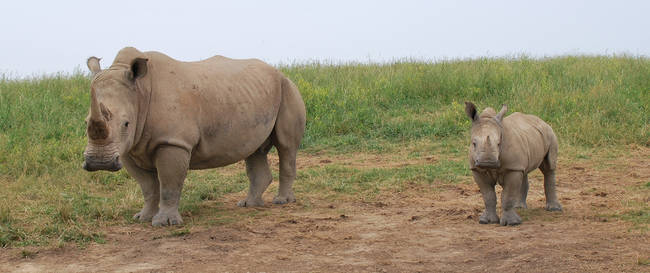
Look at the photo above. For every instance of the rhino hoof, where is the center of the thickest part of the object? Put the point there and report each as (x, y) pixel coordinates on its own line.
(521, 205)
(485, 219)
(144, 215)
(251, 203)
(279, 200)
(166, 219)
(510, 219)
(553, 207)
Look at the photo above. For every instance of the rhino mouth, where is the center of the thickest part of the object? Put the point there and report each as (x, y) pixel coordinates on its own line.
(92, 165)
(487, 164)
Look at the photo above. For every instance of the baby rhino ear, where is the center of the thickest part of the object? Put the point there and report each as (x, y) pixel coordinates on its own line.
(470, 110)
(499, 116)
(93, 65)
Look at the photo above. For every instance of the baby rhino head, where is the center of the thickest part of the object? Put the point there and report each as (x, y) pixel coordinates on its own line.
(486, 133)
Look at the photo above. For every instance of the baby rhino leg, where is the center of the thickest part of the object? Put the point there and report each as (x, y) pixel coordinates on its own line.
(524, 193)
(486, 184)
(511, 196)
(552, 204)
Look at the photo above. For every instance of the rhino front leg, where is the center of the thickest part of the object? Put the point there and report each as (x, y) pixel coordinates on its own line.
(511, 197)
(172, 164)
(486, 185)
(259, 174)
(150, 189)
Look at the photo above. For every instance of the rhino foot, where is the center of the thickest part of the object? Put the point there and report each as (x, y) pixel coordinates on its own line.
(510, 218)
(553, 206)
(145, 215)
(485, 218)
(167, 219)
(279, 200)
(257, 202)
(521, 205)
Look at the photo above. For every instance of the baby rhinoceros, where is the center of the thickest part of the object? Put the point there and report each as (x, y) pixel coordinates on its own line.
(504, 151)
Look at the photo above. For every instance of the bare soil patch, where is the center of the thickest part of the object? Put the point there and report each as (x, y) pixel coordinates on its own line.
(429, 228)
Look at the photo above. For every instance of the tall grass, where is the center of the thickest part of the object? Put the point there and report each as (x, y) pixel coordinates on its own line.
(590, 101)
(47, 198)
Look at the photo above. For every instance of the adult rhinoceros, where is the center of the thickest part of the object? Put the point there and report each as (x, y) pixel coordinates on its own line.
(160, 117)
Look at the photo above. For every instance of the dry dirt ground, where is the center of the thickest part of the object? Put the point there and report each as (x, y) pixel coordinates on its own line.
(423, 229)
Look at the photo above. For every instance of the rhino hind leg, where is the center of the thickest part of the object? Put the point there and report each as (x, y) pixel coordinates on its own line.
(287, 134)
(287, 152)
(552, 204)
(287, 177)
(524, 193)
(259, 174)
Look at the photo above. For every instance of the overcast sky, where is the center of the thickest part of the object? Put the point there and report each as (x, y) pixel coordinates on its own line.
(51, 36)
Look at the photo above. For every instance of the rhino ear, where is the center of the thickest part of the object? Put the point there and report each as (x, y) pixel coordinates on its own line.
(138, 68)
(470, 110)
(93, 65)
(499, 116)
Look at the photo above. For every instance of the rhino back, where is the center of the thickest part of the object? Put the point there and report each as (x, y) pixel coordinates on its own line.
(219, 109)
(526, 141)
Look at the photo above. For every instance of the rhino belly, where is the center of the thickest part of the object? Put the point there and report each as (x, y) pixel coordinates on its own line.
(225, 142)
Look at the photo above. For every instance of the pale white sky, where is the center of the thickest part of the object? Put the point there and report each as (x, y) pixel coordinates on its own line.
(39, 37)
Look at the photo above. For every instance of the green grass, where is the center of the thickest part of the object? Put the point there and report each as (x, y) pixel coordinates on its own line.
(336, 180)
(352, 105)
(591, 102)
(640, 218)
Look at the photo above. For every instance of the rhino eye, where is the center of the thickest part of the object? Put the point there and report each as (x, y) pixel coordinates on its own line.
(126, 124)
(474, 144)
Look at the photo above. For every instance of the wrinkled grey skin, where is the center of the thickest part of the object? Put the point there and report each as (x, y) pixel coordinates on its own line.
(504, 151)
(159, 117)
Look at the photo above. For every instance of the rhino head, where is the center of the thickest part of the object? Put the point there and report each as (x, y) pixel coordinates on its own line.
(112, 119)
(486, 134)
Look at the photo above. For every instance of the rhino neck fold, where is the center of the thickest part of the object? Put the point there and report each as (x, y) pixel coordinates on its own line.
(143, 87)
